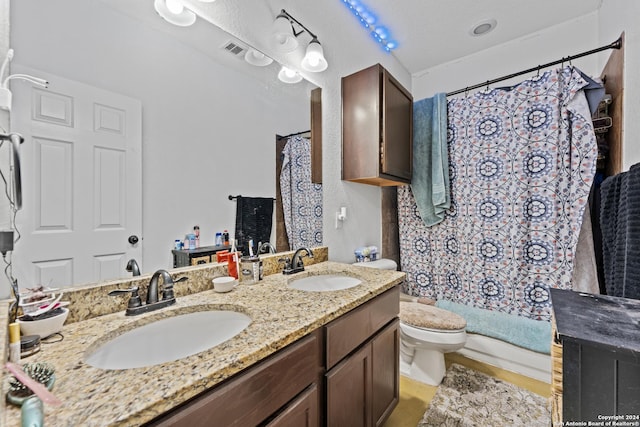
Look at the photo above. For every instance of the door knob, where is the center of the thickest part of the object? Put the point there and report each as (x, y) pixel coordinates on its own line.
(133, 239)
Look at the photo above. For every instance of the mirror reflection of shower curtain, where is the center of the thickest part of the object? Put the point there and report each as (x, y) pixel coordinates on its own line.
(301, 199)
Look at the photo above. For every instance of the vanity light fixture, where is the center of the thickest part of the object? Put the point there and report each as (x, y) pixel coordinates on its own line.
(285, 38)
(257, 58)
(370, 22)
(173, 11)
(287, 75)
(314, 60)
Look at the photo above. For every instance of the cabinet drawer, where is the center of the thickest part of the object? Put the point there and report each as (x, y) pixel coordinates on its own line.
(253, 395)
(302, 412)
(345, 334)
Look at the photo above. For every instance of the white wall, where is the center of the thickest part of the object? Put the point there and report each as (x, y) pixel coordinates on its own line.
(615, 17)
(207, 131)
(4, 115)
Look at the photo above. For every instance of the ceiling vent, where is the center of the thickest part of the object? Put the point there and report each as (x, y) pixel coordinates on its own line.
(234, 48)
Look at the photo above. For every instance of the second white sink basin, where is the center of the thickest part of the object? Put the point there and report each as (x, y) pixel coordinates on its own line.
(325, 283)
(168, 339)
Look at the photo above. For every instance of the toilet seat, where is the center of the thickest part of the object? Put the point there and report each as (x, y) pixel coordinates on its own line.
(430, 318)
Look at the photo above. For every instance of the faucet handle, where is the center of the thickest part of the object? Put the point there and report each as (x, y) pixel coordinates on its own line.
(134, 301)
(167, 292)
(286, 261)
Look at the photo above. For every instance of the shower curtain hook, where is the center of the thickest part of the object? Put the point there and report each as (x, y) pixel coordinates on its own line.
(466, 92)
(487, 88)
(538, 73)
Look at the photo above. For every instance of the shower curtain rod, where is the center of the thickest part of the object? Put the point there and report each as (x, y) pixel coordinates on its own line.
(615, 45)
(294, 134)
(235, 197)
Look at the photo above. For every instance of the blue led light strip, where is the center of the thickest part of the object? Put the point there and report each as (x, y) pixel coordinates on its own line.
(371, 22)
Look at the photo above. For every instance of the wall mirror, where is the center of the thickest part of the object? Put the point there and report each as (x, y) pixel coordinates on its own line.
(207, 126)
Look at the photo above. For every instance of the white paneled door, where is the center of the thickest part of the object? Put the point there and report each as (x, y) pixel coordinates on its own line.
(81, 219)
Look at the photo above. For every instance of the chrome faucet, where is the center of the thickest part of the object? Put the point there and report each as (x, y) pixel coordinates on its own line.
(268, 246)
(133, 267)
(154, 302)
(295, 265)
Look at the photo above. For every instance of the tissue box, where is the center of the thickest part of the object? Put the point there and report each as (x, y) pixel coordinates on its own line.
(366, 254)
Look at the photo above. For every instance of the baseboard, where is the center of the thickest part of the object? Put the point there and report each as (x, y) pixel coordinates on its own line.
(508, 357)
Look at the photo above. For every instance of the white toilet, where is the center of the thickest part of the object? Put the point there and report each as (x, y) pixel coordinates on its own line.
(426, 333)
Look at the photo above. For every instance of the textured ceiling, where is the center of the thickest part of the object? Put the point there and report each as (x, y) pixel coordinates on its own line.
(429, 32)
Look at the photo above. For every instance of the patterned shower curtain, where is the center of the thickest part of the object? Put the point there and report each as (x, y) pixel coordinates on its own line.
(301, 199)
(522, 161)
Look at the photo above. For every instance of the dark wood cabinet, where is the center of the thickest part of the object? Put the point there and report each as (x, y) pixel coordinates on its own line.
(316, 136)
(385, 378)
(203, 255)
(302, 412)
(363, 386)
(377, 128)
(343, 374)
(349, 391)
(252, 397)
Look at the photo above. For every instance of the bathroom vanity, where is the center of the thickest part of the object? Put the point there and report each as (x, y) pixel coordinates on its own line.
(289, 387)
(307, 358)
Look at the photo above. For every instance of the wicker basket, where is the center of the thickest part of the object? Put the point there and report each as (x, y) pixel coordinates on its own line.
(556, 377)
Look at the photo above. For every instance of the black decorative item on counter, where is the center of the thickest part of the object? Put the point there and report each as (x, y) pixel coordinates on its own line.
(600, 338)
(203, 255)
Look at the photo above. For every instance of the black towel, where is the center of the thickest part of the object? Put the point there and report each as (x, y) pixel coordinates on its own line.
(620, 222)
(254, 216)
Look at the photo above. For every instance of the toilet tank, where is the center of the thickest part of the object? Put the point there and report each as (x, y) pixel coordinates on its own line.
(381, 264)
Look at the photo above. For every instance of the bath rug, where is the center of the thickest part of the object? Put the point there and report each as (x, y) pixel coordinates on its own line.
(468, 398)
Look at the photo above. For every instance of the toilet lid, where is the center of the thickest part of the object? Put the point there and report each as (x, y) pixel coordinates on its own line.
(430, 317)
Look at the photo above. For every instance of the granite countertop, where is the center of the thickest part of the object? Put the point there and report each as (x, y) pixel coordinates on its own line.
(280, 316)
(598, 320)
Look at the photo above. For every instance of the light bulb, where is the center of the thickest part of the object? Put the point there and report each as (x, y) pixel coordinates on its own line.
(287, 75)
(314, 59)
(175, 6)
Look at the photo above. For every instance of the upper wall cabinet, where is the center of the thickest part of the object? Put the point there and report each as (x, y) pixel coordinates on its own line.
(377, 126)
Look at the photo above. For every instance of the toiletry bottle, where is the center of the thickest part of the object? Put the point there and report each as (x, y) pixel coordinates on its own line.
(225, 237)
(14, 342)
(233, 262)
(218, 239)
(191, 241)
(196, 231)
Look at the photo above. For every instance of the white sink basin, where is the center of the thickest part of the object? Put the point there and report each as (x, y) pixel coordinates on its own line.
(168, 339)
(325, 283)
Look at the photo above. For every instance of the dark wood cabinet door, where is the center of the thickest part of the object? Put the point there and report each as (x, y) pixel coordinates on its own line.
(377, 128)
(385, 381)
(397, 131)
(302, 412)
(349, 391)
